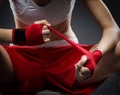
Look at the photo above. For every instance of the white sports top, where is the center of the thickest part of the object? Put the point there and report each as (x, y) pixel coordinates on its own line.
(55, 12)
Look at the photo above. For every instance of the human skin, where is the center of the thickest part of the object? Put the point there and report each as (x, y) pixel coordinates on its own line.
(110, 62)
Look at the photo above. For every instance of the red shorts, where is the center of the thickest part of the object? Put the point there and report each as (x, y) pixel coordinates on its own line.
(38, 67)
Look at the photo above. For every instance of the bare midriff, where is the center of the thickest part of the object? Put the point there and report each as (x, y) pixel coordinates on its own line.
(63, 27)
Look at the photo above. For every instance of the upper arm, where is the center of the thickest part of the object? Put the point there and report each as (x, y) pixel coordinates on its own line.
(100, 13)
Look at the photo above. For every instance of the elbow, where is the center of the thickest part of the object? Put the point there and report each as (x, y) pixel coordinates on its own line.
(113, 32)
(116, 34)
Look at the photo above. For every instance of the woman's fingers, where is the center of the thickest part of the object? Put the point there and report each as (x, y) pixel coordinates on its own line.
(42, 22)
(46, 33)
(45, 30)
(81, 62)
(81, 71)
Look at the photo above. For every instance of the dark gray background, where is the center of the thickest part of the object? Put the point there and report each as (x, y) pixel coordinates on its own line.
(86, 29)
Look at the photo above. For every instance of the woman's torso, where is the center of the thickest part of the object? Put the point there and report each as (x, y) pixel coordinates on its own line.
(56, 12)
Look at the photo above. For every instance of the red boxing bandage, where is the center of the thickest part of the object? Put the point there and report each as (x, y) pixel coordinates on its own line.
(32, 35)
(97, 54)
(93, 57)
(91, 64)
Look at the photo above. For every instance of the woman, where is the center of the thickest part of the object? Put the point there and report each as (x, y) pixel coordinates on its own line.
(21, 67)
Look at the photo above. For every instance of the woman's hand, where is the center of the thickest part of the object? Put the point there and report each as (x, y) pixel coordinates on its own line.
(87, 64)
(45, 31)
(82, 72)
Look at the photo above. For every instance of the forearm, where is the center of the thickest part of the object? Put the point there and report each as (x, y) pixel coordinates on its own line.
(109, 28)
(109, 39)
(5, 35)
(31, 35)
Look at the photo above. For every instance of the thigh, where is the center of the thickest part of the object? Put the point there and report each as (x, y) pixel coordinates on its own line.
(6, 69)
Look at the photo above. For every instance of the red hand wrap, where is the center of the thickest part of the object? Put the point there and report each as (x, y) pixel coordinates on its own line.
(32, 35)
(93, 57)
(97, 54)
(91, 64)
